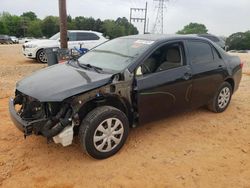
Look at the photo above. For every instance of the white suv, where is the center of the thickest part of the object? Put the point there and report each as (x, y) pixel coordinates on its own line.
(76, 38)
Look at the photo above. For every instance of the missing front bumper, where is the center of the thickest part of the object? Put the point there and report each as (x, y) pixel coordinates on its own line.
(27, 127)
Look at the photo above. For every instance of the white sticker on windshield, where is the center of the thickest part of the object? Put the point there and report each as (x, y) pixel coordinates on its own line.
(148, 42)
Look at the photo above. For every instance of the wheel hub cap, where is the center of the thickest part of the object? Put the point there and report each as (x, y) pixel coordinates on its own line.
(108, 134)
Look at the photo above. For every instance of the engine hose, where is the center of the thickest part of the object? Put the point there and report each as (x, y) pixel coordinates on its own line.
(54, 127)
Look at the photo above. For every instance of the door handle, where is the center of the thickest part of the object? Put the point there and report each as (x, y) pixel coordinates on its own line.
(220, 66)
(187, 76)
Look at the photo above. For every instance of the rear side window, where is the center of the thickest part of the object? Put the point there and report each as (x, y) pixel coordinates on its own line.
(87, 36)
(200, 52)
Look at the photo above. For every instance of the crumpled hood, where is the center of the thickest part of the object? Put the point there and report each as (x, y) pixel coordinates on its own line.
(58, 82)
(44, 43)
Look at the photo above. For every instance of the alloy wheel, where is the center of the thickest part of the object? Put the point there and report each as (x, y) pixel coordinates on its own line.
(224, 97)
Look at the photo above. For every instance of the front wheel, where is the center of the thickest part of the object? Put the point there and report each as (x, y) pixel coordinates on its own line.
(41, 56)
(103, 132)
(221, 99)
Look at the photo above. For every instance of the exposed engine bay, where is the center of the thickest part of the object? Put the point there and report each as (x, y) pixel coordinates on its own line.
(47, 119)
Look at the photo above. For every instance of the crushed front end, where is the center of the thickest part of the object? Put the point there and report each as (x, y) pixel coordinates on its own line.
(48, 119)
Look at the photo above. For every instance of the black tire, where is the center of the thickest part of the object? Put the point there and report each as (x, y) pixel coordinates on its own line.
(41, 56)
(90, 128)
(215, 105)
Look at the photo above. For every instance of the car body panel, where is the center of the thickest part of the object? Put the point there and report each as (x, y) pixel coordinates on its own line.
(61, 81)
(145, 98)
(31, 48)
(163, 93)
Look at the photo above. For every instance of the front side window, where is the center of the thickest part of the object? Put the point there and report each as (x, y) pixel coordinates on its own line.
(164, 58)
(200, 52)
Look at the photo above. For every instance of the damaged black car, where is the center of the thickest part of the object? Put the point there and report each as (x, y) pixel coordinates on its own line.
(123, 83)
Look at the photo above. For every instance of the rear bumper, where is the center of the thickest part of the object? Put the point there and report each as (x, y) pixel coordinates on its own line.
(237, 78)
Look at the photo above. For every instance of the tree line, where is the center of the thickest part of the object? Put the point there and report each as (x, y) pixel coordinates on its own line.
(29, 25)
(236, 41)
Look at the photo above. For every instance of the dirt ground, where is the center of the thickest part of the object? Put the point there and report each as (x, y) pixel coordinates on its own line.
(194, 149)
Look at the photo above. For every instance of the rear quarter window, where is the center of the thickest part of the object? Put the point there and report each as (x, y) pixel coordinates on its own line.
(199, 52)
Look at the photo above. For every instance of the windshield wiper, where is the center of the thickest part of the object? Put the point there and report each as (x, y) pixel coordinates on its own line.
(111, 52)
(88, 66)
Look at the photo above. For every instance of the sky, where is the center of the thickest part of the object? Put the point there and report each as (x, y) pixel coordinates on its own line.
(221, 17)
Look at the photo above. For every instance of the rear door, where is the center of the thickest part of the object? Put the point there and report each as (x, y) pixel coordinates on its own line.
(163, 91)
(208, 70)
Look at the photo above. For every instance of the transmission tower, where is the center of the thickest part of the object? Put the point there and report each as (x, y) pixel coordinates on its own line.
(158, 26)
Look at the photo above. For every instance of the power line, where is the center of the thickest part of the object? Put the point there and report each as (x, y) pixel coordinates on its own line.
(141, 18)
(159, 24)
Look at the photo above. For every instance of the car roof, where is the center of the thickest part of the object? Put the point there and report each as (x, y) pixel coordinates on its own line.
(162, 37)
(85, 31)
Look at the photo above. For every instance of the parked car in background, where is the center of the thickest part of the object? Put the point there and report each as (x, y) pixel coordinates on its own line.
(76, 38)
(219, 41)
(123, 83)
(14, 39)
(5, 39)
(26, 39)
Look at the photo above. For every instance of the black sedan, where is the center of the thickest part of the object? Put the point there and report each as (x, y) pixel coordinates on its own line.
(123, 83)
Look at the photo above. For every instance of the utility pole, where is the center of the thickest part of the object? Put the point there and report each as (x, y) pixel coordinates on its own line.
(159, 24)
(137, 19)
(63, 24)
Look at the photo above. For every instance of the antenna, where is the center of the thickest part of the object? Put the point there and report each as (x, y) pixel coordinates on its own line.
(158, 26)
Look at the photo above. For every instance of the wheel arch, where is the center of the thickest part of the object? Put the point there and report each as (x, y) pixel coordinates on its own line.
(231, 82)
(107, 100)
(38, 51)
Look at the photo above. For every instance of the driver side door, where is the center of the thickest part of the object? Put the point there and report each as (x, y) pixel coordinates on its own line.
(163, 91)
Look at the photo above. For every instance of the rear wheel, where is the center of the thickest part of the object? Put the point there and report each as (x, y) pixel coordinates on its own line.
(103, 132)
(221, 99)
(41, 57)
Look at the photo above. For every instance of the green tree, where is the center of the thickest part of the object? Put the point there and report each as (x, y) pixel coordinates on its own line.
(34, 29)
(193, 28)
(31, 15)
(98, 25)
(3, 28)
(50, 26)
(129, 29)
(111, 29)
(12, 23)
(118, 28)
(71, 23)
(239, 41)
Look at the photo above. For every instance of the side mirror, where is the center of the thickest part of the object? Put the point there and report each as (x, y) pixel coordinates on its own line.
(138, 71)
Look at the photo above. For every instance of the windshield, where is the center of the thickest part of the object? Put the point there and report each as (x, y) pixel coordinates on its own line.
(116, 54)
(55, 37)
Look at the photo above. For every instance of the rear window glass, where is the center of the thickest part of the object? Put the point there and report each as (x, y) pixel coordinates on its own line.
(200, 52)
(212, 38)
